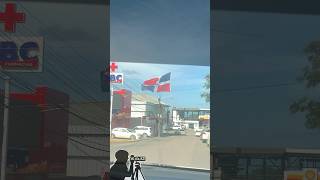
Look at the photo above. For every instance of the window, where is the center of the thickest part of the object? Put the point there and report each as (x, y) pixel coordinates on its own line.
(157, 53)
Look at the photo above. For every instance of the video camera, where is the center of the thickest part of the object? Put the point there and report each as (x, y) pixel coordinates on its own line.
(137, 158)
(137, 170)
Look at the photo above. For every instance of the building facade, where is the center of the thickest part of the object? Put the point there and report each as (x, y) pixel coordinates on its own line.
(192, 118)
(37, 132)
(88, 142)
(146, 110)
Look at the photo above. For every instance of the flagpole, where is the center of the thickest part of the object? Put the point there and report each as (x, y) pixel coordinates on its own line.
(159, 117)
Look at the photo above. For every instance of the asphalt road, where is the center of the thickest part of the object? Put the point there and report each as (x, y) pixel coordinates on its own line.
(182, 151)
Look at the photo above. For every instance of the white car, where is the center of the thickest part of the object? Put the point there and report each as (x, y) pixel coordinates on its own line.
(205, 136)
(198, 132)
(176, 127)
(124, 133)
(144, 131)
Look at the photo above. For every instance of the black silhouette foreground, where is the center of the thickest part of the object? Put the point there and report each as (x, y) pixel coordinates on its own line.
(119, 171)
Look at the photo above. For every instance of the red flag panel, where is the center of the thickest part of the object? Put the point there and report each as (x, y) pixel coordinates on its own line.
(164, 88)
(120, 92)
(151, 82)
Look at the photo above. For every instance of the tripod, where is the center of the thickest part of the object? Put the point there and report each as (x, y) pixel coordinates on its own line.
(135, 175)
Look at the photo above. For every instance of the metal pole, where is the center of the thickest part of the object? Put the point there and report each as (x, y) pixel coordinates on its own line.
(111, 102)
(160, 112)
(141, 121)
(5, 127)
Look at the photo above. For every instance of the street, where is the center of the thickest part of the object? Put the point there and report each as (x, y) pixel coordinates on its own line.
(182, 151)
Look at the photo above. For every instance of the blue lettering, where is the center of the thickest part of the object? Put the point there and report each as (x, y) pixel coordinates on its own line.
(29, 51)
(114, 78)
(119, 78)
(8, 51)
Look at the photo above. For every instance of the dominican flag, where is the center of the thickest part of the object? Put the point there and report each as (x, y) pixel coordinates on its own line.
(164, 83)
(161, 84)
(150, 84)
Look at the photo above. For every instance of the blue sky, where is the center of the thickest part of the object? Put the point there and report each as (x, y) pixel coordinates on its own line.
(160, 30)
(186, 82)
(166, 32)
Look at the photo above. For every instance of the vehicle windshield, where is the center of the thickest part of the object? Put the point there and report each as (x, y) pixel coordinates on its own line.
(164, 55)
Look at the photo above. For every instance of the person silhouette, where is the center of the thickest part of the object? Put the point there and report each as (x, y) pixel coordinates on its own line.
(119, 171)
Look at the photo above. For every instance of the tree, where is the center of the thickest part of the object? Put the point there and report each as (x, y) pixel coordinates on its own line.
(206, 93)
(311, 77)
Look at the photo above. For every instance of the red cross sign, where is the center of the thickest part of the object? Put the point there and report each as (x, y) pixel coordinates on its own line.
(113, 67)
(10, 17)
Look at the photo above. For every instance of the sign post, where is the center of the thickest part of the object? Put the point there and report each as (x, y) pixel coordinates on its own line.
(10, 58)
(111, 102)
(114, 78)
(5, 127)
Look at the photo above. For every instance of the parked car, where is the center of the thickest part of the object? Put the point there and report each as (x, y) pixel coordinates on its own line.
(171, 132)
(144, 131)
(201, 128)
(124, 133)
(198, 132)
(182, 132)
(205, 136)
(176, 127)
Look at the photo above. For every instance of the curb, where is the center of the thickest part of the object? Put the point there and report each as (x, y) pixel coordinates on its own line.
(173, 167)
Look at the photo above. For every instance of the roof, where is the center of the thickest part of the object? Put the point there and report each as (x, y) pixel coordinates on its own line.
(146, 98)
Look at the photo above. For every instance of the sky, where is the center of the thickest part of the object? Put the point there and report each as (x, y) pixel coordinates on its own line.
(162, 31)
(76, 47)
(186, 82)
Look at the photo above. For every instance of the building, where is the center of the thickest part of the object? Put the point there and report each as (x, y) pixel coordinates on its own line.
(146, 110)
(263, 163)
(37, 132)
(121, 109)
(191, 117)
(88, 143)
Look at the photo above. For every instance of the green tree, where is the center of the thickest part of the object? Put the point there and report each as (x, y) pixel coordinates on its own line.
(206, 93)
(311, 78)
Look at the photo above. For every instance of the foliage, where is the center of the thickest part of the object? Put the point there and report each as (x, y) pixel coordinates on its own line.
(206, 93)
(311, 78)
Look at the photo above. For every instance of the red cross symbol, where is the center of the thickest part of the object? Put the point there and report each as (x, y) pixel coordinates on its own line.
(10, 17)
(113, 67)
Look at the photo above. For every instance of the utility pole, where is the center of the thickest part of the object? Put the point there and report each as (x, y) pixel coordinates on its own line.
(5, 127)
(159, 117)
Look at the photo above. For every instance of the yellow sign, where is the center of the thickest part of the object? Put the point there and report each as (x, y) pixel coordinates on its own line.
(305, 174)
(204, 117)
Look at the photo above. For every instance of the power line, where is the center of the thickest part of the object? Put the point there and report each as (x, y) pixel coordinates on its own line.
(63, 108)
(255, 87)
(59, 106)
(87, 154)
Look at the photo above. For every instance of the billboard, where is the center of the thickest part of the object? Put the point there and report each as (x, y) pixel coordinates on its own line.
(21, 54)
(106, 78)
(116, 78)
